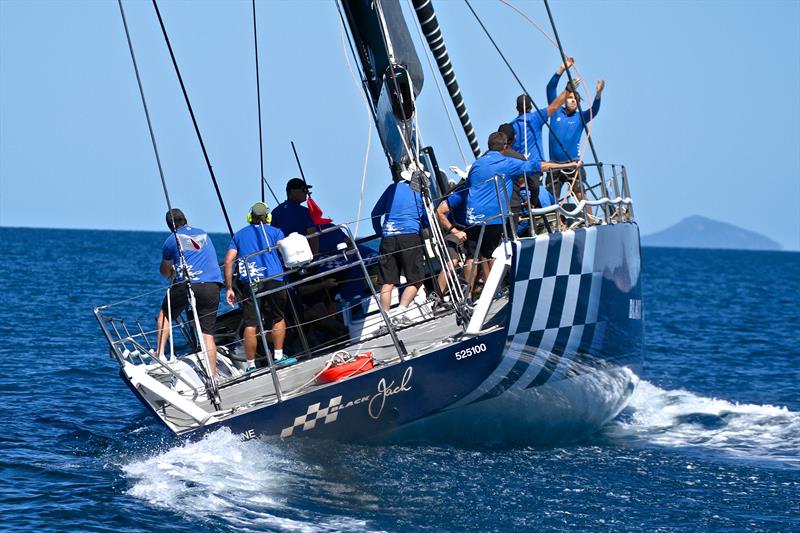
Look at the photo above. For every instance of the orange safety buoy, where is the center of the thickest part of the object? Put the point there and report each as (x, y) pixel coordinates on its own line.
(344, 367)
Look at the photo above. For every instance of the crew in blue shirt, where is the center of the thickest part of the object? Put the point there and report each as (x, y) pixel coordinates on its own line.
(483, 205)
(528, 126)
(204, 275)
(401, 246)
(566, 128)
(544, 198)
(291, 216)
(262, 272)
(452, 216)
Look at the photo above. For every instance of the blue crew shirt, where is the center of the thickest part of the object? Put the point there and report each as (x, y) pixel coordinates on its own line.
(403, 208)
(567, 128)
(201, 257)
(546, 198)
(291, 217)
(528, 129)
(254, 238)
(482, 202)
(457, 202)
(552, 88)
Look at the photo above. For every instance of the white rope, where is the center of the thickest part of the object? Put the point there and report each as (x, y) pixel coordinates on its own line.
(369, 127)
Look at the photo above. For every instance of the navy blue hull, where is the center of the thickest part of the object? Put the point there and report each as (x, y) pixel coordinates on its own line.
(564, 362)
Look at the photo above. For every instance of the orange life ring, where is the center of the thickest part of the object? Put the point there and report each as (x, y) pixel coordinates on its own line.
(339, 370)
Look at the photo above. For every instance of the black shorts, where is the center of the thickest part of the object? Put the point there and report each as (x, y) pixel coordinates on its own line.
(272, 306)
(453, 245)
(401, 252)
(492, 238)
(207, 297)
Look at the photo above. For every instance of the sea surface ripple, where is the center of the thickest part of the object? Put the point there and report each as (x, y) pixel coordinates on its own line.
(710, 440)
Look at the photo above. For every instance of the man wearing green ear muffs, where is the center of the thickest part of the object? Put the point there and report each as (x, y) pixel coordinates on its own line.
(262, 271)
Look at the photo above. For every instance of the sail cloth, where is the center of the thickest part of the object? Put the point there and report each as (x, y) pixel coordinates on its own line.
(391, 68)
(367, 33)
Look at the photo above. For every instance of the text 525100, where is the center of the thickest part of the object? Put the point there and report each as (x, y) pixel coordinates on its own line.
(469, 352)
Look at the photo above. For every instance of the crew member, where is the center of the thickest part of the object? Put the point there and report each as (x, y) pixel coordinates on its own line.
(292, 216)
(205, 277)
(262, 272)
(566, 126)
(483, 205)
(523, 184)
(452, 216)
(401, 247)
(528, 126)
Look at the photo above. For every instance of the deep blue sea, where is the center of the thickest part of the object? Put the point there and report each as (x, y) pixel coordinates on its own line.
(710, 441)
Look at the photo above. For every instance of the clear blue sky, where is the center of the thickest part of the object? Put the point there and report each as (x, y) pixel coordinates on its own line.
(701, 104)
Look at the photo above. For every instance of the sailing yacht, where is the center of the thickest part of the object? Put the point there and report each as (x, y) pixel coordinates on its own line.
(551, 348)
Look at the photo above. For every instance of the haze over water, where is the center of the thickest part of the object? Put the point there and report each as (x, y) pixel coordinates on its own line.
(710, 441)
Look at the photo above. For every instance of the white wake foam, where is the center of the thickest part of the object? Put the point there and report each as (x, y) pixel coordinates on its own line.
(678, 418)
(230, 483)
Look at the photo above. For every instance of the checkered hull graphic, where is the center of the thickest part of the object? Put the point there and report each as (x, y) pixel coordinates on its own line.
(575, 309)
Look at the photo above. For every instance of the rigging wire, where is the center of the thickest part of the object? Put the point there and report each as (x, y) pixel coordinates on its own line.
(513, 73)
(569, 76)
(194, 120)
(181, 257)
(574, 65)
(364, 85)
(364, 99)
(426, 52)
(263, 180)
(582, 151)
(147, 116)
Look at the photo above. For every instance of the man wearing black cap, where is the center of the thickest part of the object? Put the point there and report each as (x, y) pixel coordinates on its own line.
(255, 237)
(291, 216)
(203, 270)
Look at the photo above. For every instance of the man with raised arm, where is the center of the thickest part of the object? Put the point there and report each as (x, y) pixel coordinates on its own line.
(566, 126)
(483, 205)
(204, 275)
(262, 272)
(401, 246)
(528, 126)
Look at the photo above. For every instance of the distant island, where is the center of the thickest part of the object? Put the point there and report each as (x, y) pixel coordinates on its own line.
(700, 232)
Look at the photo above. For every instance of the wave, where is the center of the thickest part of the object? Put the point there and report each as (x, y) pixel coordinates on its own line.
(679, 418)
(231, 484)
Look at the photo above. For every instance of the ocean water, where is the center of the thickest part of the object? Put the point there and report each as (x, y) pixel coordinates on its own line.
(710, 441)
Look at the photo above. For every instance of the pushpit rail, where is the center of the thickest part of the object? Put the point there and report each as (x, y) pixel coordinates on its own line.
(343, 252)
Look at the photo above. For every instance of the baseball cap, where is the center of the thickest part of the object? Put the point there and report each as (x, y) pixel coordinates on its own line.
(296, 183)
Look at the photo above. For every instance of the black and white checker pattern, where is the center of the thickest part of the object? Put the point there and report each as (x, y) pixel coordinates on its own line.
(313, 414)
(556, 297)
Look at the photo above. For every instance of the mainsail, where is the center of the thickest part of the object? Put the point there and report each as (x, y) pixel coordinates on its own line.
(391, 69)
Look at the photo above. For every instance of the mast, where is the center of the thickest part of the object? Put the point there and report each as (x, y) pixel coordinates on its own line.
(392, 79)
